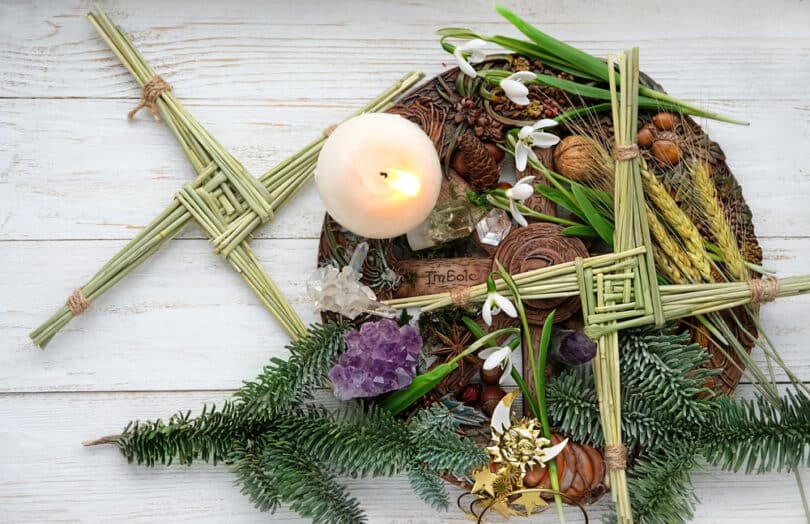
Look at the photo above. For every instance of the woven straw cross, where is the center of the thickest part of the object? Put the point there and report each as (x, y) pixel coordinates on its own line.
(224, 200)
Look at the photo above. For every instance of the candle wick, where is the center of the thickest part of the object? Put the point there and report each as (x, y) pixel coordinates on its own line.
(383, 174)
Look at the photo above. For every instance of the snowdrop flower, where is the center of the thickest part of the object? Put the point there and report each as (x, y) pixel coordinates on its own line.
(533, 136)
(495, 357)
(495, 303)
(518, 193)
(515, 90)
(470, 50)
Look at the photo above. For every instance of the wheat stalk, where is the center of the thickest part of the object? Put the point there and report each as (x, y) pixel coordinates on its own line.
(715, 217)
(680, 223)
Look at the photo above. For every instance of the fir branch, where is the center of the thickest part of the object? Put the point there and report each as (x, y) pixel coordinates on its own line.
(437, 444)
(660, 365)
(354, 442)
(279, 472)
(757, 435)
(429, 486)
(284, 383)
(208, 436)
(573, 406)
(661, 487)
(664, 392)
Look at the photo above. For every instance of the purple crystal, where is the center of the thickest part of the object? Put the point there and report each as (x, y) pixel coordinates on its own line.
(573, 347)
(381, 357)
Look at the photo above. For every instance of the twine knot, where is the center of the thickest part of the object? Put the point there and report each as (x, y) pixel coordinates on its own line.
(616, 456)
(625, 152)
(763, 289)
(151, 92)
(77, 303)
(461, 297)
(329, 130)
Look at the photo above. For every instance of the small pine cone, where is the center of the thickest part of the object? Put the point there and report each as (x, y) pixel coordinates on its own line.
(487, 128)
(466, 111)
(480, 169)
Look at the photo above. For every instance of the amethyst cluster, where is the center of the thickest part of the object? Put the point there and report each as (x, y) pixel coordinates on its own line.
(381, 357)
(572, 347)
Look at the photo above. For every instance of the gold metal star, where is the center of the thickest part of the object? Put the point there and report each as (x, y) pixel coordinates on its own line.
(484, 480)
(502, 506)
(531, 500)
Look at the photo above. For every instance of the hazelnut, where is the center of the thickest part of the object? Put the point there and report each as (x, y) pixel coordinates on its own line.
(666, 152)
(490, 398)
(471, 394)
(491, 377)
(645, 136)
(504, 185)
(664, 120)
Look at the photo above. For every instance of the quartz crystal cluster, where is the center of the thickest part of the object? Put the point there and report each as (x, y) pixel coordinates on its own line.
(341, 291)
(381, 357)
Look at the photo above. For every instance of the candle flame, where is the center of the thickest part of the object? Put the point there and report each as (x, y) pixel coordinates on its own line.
(403, 181)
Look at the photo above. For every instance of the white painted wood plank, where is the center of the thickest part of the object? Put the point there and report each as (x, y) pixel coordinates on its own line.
(76, 169)
(46, 475)
(185, 320)
(707, 51)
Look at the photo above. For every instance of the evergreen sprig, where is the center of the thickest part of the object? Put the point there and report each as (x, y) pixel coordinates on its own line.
(757, 435)
(670, 418)
(664, 391)
(284, 383)
(354, 441)
(277, 472)
(208, 437)
(286, 452)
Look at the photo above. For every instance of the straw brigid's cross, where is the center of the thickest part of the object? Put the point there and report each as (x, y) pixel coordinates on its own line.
(226, 202)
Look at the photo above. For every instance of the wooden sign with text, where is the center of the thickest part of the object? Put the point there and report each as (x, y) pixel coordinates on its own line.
(427, 276)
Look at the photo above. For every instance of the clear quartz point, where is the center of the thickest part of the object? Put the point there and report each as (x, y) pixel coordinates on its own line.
(341, 291)
(494, 227)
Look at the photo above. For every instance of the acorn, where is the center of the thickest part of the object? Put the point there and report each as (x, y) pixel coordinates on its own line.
(581, 159)
(491, 377)
(471, 394)
(490, 398)
(645, 136)
(664, 121)
(666, 152)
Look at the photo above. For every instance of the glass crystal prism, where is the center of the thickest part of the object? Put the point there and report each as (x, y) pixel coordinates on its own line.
(494, 227)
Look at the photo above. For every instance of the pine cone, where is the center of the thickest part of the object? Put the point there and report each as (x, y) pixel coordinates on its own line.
(475, 163)
(487, 128)
(581, 470)
(466, 111)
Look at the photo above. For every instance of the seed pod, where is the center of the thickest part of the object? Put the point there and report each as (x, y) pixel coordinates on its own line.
(646, 136)
(664, 121)
(667, 153)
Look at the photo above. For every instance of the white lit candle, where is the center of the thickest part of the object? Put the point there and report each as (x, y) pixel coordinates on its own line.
(379, 175)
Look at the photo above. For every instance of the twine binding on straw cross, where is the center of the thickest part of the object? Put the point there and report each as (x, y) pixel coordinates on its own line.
(625, 152)
(151, 92)
(77, 303)
(461, 297)
(616, 456)
(763, 290)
